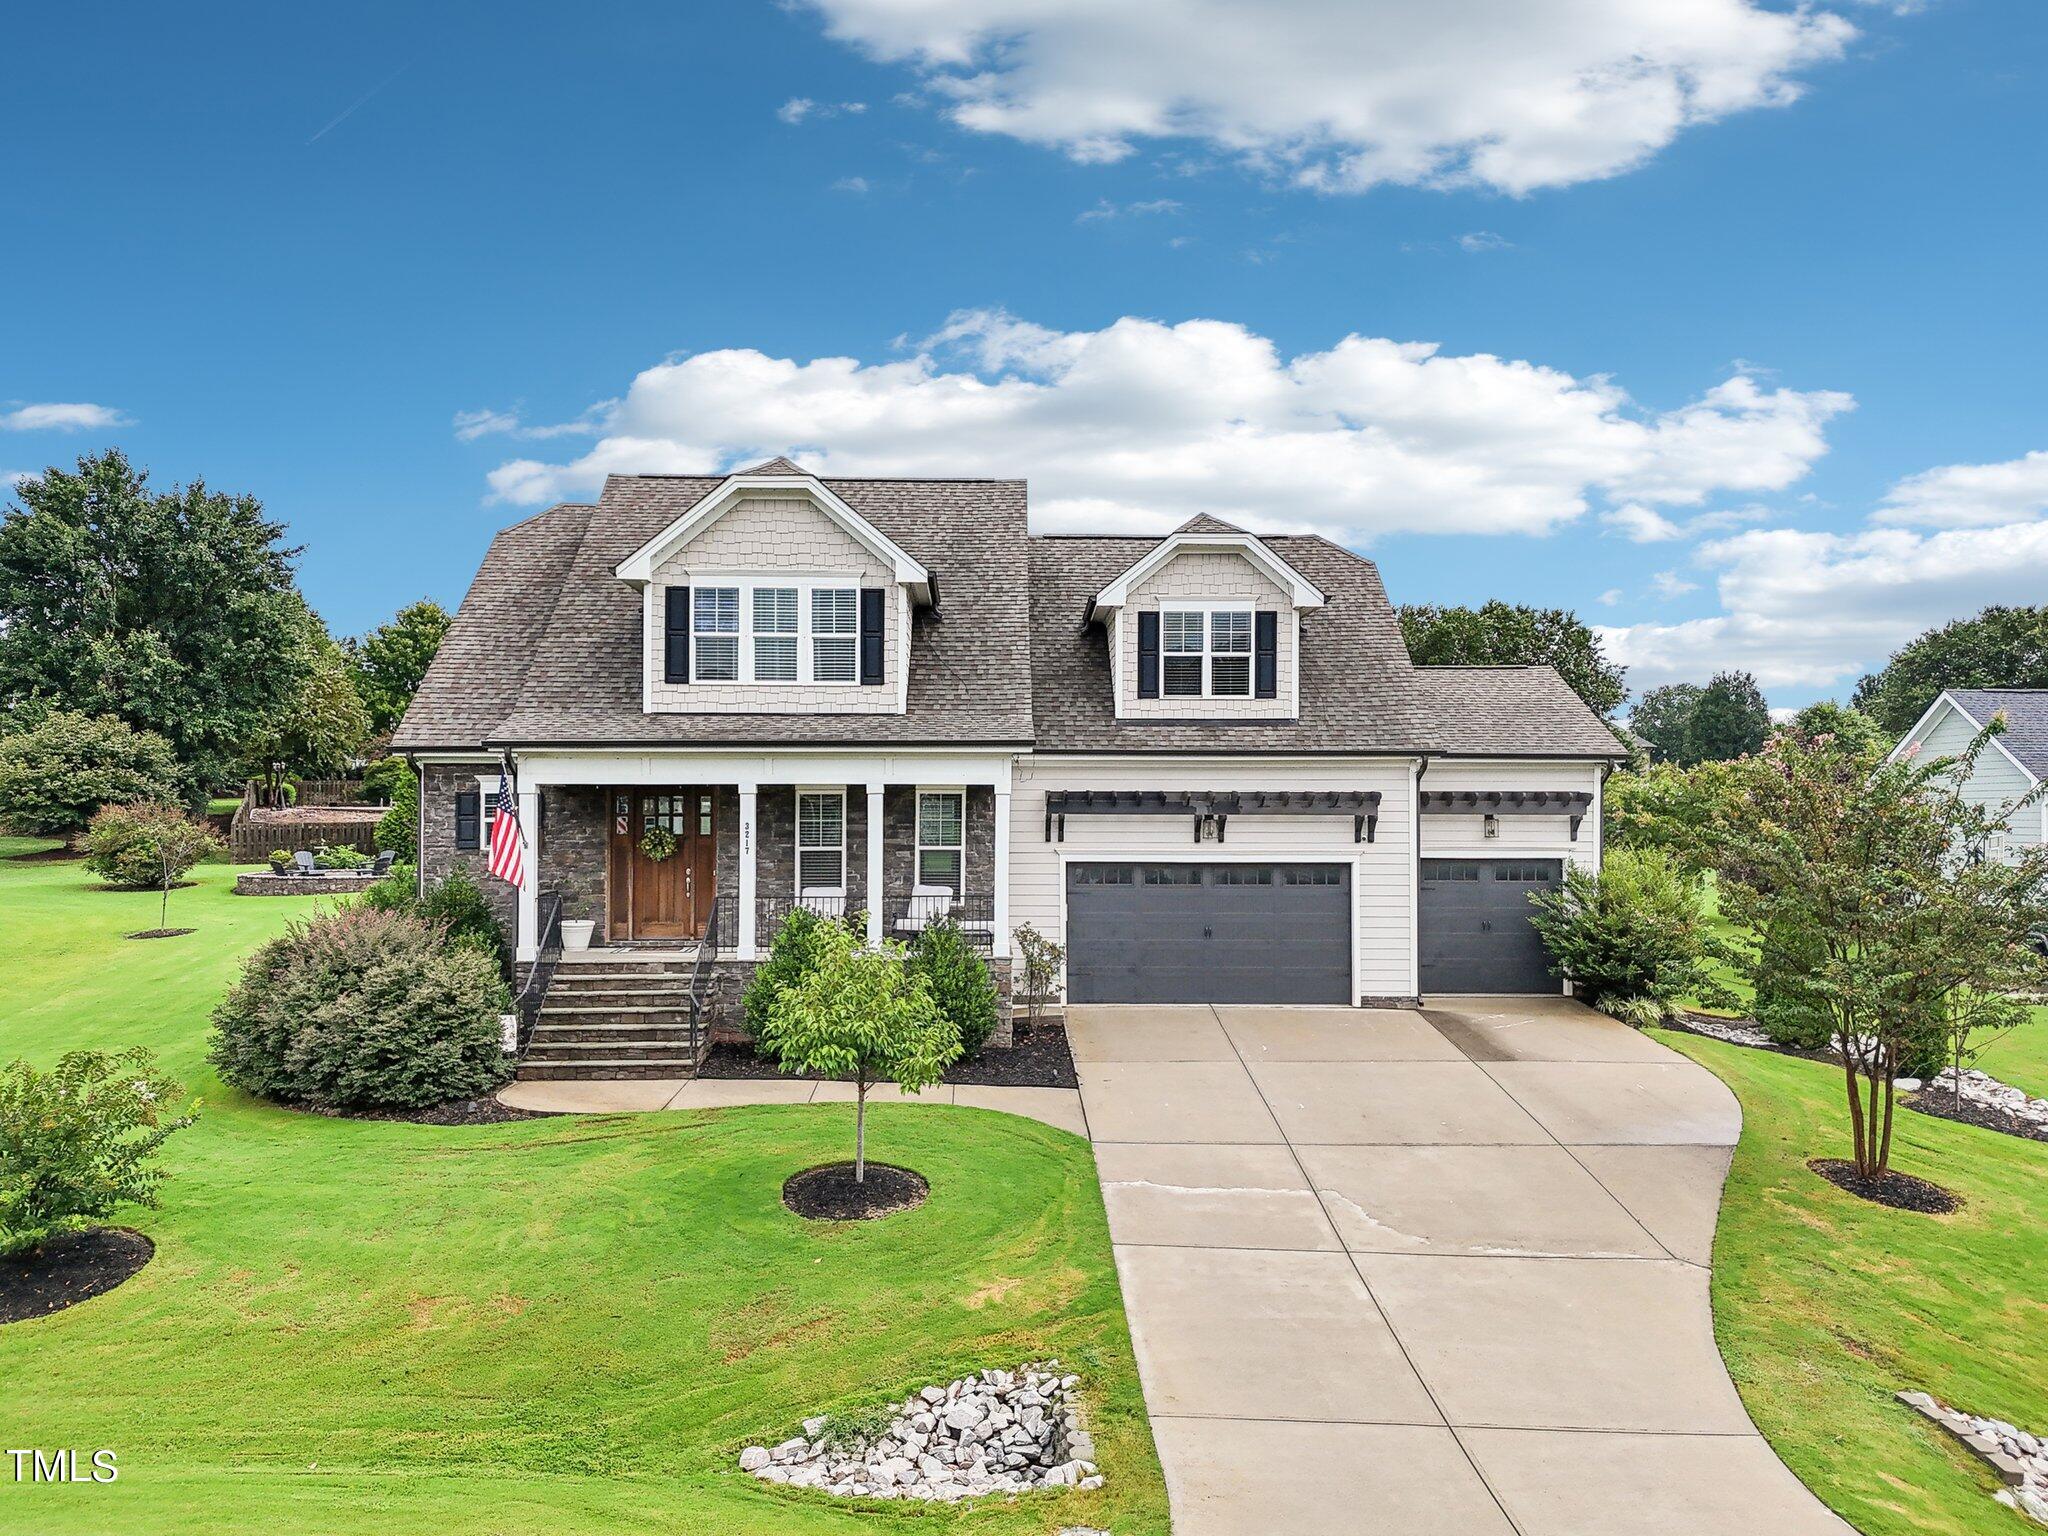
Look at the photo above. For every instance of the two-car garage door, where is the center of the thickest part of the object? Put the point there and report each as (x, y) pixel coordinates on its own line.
(1209, 933)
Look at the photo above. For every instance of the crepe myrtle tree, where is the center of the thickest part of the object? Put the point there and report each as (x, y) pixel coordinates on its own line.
(1879, 914)
(860, 1013)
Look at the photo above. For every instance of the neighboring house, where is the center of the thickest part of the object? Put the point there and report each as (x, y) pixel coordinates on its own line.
(1203, 762)
(2010, 766)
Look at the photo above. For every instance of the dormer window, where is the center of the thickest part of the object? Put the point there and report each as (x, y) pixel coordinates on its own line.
(835, 634)
(1206, 653)
(775, 634)
(716, 636)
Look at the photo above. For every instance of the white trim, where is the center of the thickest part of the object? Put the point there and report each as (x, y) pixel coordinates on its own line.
(746, 583)
(796, 862)
(1001, 949)
(749, 857)
(1301, 592)
(526, 919)
(639, 567)
(1096, 856)
(875, 877)
(918, 844)
(634, 767)
(1945, 697)
(1415, 877)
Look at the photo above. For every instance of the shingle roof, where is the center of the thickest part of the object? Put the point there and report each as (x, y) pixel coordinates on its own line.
(546, 649)
(2026, 721)
(1202, 522)
(970, 676)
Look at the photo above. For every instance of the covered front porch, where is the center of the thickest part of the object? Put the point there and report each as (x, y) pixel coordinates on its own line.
(685, 849)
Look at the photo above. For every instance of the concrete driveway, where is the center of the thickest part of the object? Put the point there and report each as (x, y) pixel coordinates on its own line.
(1428, 1273)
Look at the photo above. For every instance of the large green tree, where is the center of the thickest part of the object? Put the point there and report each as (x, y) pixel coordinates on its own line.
(169, 610)
(1730, 720)
(392, 658)
(1507, 634)
(1999, 648)
(1663, 718)
(322, 725)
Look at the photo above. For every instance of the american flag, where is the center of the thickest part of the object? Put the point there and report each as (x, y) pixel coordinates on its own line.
(508, 862)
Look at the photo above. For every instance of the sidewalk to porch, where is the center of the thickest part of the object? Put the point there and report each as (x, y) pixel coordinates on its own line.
(1058, 1107)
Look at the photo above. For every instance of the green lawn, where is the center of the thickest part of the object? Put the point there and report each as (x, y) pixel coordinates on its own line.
(1825, 1305)
(564, 1325)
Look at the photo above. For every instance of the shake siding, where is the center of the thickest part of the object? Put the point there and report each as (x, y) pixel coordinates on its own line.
(767, 534)
(1996, 782)
(1206, 578)
(1382, 888)
(1462, 836)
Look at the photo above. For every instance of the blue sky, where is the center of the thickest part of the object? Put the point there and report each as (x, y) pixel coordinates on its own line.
(1737, 310)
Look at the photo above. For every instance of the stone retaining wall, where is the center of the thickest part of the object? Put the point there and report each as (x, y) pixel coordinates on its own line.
(302, 885)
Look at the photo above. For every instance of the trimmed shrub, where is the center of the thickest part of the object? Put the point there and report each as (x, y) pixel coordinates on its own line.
(959, 981)
(458, 904)
(279, 860)
(791, 956)
(398, 891)
(341, 856)
(1636, 929)
(146, 847)
(55, 774)
(77, 1142)
(399, 828)
(361, 1009)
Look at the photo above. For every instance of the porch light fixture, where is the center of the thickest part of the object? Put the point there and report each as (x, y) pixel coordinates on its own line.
(1492, 825)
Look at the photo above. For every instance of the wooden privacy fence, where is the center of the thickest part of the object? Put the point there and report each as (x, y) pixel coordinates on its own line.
(250, 841)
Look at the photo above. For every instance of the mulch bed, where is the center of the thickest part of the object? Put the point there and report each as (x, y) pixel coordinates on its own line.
(828, 1192)
(58, 855)
(1941, 1104)
(298, 813)
(1039, 1058)
(68, 1269)
(159, 933)
(454, 1112)
(1900, 1191)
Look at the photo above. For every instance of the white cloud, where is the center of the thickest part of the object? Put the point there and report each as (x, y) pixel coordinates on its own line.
(1970, 495)
(1813, 610)
(13, 477)
(1479, 241)
(1344, 95)
(57, 417)
(1610, 597)
(471, 425)
(1671, 584)
(1104, 209)
(854, 184)
(1140, 424)
(1640, 524)
(799, 109)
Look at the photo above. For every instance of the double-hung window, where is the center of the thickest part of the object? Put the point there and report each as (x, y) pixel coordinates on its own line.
(1205, 652)
(820, 841)
(715, 637)
(941, 838)
(835, 634)
(775, 638)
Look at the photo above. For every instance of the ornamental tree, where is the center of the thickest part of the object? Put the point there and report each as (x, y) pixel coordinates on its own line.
(390, 660)
(77, 1142)
(1878, 913)
(148, 847)
(863, 1014)
(55, 774)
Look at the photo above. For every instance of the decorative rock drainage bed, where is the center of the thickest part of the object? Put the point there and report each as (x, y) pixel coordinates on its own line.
(999, 1432)
(2019, 1458)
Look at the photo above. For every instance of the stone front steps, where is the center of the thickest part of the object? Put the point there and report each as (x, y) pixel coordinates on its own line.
(615, 1014)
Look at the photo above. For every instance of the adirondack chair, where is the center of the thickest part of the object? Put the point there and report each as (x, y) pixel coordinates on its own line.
(381, 865)
(303, 863)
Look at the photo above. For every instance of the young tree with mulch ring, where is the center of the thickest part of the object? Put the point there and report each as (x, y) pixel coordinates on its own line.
(861, 1014)
(148, 847)
(1877, 909)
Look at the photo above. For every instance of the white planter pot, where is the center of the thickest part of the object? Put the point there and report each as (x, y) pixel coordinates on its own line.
(576, 933)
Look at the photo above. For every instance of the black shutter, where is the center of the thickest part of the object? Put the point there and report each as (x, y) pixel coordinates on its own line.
(871, 635)
(469, 816)
(675, 627)
(1266, 655)
(1148, 655)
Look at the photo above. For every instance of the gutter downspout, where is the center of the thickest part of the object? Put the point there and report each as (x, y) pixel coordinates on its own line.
(1415, 872)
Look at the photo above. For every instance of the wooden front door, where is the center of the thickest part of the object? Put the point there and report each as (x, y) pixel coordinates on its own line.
(667, 898)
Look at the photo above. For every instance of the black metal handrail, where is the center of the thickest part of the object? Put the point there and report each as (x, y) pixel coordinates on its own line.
(905, 917)
(528, 1003)
(724, 910)
(769, 911)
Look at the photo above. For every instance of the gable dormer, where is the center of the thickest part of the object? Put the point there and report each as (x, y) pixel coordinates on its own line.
(773, 596)
(1206, 626)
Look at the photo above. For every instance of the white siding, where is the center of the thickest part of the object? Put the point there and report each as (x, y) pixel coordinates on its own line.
(1383, 885)
(1460, 836)
(765, 534)
(1996, 783)
(1206, 577)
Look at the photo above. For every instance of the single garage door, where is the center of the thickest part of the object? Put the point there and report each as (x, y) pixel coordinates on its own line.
(1209, 933)
(1476, 933)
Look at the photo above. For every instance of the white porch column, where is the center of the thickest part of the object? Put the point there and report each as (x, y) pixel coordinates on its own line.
(527, 944)
(875, 863)
(1002, 913)
(747, 852)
